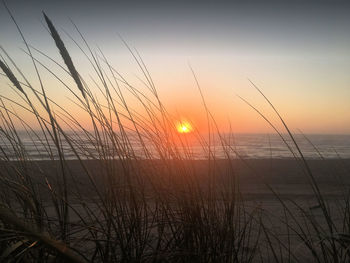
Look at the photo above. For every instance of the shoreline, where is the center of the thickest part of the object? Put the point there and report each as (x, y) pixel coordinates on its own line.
(287, 166)
(287, 175)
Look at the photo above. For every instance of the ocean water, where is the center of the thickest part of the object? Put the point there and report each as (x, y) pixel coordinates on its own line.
(261, 146)
(257, 146)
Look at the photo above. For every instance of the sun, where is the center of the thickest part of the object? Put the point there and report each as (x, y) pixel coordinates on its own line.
(184, 127)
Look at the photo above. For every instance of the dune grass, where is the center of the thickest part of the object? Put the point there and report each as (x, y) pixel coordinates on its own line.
(145, 200)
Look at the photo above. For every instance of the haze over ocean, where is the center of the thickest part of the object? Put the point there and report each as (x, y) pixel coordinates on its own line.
(252, 146)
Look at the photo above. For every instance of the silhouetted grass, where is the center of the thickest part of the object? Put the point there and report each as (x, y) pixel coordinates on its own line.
(138, 195)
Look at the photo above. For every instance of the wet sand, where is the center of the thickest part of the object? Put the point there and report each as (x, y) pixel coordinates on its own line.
(286, 176)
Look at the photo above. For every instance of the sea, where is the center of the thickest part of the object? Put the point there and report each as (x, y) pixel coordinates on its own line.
(253, 146)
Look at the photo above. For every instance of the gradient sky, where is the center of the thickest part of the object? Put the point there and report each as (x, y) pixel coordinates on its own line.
(297, 52)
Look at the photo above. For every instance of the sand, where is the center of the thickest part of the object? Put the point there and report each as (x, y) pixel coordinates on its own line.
(256, 178)
(287, 176)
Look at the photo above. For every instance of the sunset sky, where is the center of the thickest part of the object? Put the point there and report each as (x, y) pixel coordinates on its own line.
(297, 52)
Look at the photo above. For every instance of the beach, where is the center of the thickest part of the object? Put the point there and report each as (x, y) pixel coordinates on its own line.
(265, 187)
(285, 175)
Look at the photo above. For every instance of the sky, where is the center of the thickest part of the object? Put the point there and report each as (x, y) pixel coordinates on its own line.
(296, 52)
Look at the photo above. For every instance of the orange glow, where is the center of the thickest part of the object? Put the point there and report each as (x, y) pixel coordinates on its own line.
(184, 127)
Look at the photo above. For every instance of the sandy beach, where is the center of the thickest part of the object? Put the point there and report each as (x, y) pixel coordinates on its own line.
(256, 177)
(287, 176)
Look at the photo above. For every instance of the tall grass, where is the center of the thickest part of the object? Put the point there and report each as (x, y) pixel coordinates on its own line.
(134, 193)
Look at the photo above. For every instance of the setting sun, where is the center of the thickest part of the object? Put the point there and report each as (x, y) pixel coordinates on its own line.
(184, 127)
